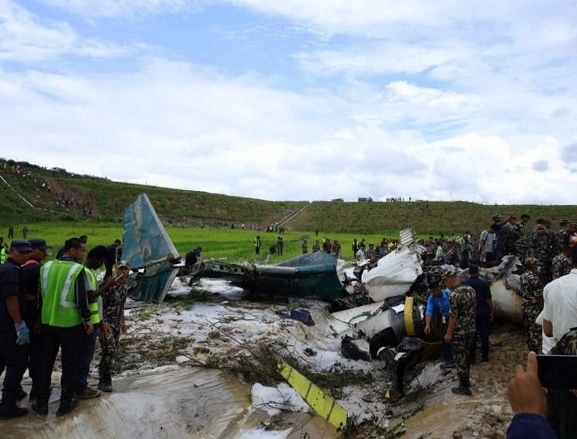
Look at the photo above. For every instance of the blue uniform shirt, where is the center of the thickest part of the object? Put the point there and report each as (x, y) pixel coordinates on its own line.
(9, 286)
(439, 304)
(483, 293)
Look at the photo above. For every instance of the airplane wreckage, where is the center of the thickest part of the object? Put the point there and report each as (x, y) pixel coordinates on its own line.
(149, 251)
(380, 308)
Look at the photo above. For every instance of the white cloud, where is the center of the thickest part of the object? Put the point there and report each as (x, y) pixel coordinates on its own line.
(119, 8)
(428, 100)
(28, 38)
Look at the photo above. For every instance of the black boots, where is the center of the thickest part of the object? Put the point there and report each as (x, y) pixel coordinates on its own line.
(9, 409)
(67, 406)
(105, 382)
(40, 406)
(464, 387)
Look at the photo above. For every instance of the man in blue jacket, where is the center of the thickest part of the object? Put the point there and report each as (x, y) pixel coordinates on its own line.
(438, 309)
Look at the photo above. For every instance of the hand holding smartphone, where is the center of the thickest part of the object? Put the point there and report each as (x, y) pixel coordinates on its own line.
(558, 371)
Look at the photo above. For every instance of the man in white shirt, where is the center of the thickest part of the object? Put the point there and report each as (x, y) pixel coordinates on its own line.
(361, 255)
(560, 303)
(559, 316)
(486, 246)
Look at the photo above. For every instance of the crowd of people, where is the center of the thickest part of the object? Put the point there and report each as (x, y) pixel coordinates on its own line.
(53, 306)
(548, 279)
(60, 305)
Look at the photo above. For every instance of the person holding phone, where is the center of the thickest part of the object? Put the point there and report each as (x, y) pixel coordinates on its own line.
(529, 404)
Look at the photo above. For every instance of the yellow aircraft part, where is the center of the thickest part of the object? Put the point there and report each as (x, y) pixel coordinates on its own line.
(323, 404)
(408, 316)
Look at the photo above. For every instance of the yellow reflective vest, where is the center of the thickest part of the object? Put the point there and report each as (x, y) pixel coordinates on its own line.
(57, 286)
(93, 306)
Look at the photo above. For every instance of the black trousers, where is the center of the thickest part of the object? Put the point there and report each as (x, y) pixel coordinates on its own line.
(482, 332)
(14, 357)
(69, 340)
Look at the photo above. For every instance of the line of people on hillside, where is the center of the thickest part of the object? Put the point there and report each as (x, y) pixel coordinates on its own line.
(57, 306)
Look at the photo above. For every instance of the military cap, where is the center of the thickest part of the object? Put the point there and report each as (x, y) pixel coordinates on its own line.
(21, 245)
(40, 244)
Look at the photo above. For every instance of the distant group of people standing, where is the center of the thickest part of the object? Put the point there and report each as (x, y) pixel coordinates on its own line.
(11, 232)
(57, 306)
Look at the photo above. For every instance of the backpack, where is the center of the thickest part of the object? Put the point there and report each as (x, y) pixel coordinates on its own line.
(567, 345)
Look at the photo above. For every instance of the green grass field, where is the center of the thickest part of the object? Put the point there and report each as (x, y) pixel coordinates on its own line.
(232, 245)
(59, 205)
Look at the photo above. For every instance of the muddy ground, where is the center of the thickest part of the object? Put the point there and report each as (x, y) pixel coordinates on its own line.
(210, 332)
(432, 411)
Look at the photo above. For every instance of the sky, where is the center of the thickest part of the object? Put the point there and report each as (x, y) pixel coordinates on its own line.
(298, 100)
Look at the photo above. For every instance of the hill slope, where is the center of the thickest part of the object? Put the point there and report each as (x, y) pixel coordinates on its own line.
(30, 193)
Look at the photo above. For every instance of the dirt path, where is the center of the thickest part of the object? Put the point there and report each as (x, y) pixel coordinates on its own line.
(487, 413)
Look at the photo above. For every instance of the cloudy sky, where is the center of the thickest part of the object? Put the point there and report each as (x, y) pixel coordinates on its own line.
(298, 100)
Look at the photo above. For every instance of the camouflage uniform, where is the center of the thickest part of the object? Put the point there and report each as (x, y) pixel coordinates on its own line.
(514, 233)
(560, 266)
(560, 237)
(531, 291)
(463, 301)
(541, 246)
(522, 248)
(113, 315)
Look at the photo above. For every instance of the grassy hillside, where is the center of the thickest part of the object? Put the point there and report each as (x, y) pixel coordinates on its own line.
(426, 217)
(60, 196)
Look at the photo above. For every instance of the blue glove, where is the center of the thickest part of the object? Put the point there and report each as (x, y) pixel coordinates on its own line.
(22, 333)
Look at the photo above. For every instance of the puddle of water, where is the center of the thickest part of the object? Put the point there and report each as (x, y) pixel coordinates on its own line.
(179, 403)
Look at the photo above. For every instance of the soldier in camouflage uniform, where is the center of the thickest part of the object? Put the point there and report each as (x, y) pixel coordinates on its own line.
(460, 329)
(561, 235)
(532, 295)
(112, 325)
(521, 245)
(514, 230)
(561, 264)
(540, 244)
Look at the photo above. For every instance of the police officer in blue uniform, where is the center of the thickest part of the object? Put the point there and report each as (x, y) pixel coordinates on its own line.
(14, 333)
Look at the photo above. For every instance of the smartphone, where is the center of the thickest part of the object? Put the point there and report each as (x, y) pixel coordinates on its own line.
(558, 371)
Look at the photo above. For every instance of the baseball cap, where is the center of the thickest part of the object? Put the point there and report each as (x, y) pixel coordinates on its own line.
(38, 243)
(21, 245)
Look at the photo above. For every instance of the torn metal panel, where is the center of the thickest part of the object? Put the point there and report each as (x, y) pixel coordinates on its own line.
(145, 241)
(394, 273)
(147, 247)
